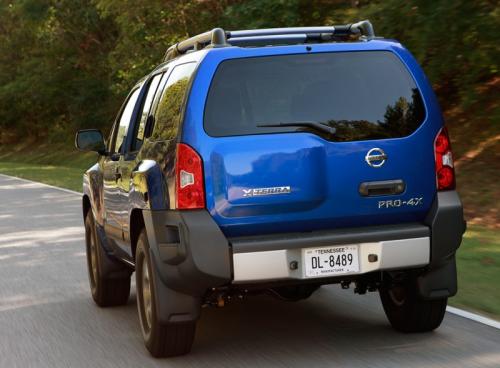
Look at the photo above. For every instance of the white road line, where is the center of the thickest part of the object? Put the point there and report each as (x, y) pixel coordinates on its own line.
(459, 312)
(46, 185)
(474, 317)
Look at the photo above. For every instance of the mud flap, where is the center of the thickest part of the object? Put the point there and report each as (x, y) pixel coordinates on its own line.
(439, 282)
(172, 306)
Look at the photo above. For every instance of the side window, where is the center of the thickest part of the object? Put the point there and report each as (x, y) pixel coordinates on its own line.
(124, 121)
(168, 112)
(146, 107)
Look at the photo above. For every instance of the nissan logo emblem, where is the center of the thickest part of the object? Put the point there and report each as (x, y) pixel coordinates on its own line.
(375, 157)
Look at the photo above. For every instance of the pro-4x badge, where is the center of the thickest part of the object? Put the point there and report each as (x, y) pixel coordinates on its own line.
(266, 191)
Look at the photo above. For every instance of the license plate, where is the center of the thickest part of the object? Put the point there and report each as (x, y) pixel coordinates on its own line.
(330, 261)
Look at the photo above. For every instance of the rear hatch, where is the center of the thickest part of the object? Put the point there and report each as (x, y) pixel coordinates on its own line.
(273, 167)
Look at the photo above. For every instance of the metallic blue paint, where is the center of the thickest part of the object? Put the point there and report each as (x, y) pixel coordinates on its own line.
(324, 176)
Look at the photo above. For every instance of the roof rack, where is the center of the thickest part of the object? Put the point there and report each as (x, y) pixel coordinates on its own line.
(217, 37)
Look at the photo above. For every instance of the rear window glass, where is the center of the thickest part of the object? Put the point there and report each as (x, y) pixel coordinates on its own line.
(364, 95)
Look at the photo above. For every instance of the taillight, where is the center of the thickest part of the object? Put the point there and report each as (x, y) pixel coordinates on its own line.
(189, 188)
(445, 173)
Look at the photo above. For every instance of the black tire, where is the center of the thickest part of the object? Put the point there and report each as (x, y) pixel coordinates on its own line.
(162, 340)
(107, 291)
(407, 312)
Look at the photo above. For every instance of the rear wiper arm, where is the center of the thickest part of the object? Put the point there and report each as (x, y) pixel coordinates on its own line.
(309, 124)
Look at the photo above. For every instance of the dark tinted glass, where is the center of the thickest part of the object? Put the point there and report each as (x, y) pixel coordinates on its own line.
(364, 95)
(124, 121)
(169, 110)
(148, 100)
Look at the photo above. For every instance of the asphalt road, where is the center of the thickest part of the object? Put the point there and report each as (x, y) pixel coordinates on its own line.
(48, 319)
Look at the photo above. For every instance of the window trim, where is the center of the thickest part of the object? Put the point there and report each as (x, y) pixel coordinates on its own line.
(137, 121)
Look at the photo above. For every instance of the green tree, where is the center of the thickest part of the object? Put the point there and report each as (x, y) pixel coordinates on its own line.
(54, 74)
(67, 64)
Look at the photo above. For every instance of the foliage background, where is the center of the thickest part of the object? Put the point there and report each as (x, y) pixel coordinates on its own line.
(68, 64)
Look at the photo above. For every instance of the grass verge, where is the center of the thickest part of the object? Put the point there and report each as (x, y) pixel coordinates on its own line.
(478, 262)
(59, 176)
(478, 257)
(54, 165)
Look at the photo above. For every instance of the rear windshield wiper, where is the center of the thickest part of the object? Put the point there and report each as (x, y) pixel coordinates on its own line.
(309, 124)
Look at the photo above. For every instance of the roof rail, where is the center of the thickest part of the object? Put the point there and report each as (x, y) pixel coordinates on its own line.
(217, 37)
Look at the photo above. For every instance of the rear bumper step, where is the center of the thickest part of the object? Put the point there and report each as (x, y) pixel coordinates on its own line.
(328, 238)
(272, 265)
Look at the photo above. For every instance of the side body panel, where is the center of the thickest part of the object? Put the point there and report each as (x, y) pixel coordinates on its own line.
(147, 176)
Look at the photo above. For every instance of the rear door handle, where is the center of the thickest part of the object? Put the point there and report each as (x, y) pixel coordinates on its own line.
(380, 188)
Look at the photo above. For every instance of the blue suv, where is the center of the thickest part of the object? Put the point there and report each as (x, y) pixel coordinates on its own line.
(274, 160)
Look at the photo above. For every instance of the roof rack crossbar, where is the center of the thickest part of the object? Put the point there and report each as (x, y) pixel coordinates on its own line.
(266, 40)
(217, 37)
(279, 31)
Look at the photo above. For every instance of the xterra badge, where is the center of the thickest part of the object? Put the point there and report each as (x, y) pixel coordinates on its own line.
(266, 191)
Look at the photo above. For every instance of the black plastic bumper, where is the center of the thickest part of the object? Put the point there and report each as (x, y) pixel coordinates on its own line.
(192, 255)
(447, 225)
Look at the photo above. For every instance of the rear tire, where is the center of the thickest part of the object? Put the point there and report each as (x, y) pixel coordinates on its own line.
(107, 291)
(162, 340)
(408, 312)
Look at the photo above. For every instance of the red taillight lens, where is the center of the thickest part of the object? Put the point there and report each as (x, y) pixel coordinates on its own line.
(445, 173)
(189, 188)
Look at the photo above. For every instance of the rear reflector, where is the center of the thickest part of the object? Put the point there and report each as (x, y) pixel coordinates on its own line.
(189, 187)
(445, 173)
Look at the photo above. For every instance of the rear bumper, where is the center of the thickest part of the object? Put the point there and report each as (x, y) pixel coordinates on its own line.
(430, 245)
(267, 258)
(192, 254)
(251, 267)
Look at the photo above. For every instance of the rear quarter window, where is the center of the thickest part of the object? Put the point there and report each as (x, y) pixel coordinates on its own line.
(364, 95)
(169, 111)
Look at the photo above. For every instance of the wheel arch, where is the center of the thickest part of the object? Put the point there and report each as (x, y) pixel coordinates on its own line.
(136, 225)
(86, 206)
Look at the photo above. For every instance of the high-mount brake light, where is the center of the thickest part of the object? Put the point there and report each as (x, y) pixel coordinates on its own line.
(445, 172)
(189, 187)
